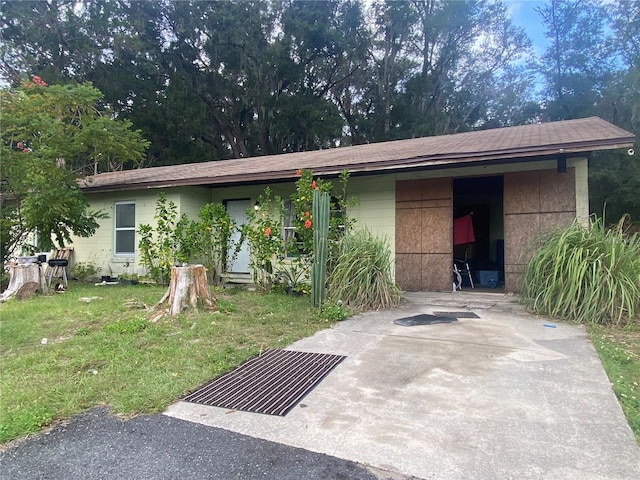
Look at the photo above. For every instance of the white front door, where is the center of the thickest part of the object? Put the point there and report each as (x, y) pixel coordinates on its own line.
(237, 210)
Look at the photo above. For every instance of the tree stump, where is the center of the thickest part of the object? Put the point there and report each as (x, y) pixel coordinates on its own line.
(24, 281)
(188, 287)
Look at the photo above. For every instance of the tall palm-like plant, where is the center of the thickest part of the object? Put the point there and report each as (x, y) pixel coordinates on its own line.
(361, 276)
(587, 274)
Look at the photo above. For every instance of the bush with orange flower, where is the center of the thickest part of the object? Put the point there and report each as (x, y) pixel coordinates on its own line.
(302, 200)
(263, 234)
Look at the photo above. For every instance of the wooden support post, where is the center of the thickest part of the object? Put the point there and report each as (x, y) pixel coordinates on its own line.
(188, 287)
(24, 281)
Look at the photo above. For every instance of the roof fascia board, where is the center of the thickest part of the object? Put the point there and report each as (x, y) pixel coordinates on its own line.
(326, 172)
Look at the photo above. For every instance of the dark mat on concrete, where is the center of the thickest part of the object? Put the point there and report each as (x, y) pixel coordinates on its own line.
(271, 383)
(423, 319)
(456, 314)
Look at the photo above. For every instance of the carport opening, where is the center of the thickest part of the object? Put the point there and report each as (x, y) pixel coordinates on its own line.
(482, 199)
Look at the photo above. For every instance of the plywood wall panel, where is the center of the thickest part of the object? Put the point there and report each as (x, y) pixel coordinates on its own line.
(409, 271)
(424, 234)
(519, 232)
(437, 230)
(436, 188)
(437, 203)
(554, 221)
(437, 273)
(409, 190)
(521, 192)
(534, 203)
(514, 277)
(408, 230)
(557, 191)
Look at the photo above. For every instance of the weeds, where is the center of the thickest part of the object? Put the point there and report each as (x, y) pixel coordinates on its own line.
(128, 325)
(332, 312)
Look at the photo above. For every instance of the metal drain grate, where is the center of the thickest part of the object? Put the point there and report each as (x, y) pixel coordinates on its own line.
(456, 314)
(271, 383)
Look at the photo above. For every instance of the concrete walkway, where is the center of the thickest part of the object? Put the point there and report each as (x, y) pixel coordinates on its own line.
(502, 396)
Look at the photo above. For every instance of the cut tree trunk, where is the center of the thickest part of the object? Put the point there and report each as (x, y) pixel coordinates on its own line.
(24, 281)
(188, 287)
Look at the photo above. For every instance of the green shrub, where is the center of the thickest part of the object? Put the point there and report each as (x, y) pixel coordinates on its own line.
(160, 245)
(83, 271)
(587, 274)
(263, 234)
(332, 312)
(361, 274)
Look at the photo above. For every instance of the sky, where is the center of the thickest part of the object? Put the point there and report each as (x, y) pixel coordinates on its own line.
(524, 15)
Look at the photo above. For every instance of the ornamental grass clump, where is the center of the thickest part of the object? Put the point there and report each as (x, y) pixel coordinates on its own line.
(587, 274)
(361, 275)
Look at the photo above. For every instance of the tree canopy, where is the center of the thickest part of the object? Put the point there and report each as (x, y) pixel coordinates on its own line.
(50, 135)
(209, 80)
(213, 80)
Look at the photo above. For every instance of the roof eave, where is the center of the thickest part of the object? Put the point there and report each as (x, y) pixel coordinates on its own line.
(431, 162)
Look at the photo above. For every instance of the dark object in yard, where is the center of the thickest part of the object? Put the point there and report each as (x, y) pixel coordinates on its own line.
(27, 290)
(423, 319)
(271, 383)
(58, 262)
(456, 314)
(61, 265)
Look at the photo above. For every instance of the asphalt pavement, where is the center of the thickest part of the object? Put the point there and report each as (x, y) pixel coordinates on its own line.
(97, 445)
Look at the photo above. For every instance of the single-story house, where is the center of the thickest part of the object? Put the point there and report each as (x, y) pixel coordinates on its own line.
(510, 184)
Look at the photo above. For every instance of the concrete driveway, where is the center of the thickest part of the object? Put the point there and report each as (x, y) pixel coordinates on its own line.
(502, 396)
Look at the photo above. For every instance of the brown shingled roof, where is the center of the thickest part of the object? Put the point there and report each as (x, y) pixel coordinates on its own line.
(526, 142)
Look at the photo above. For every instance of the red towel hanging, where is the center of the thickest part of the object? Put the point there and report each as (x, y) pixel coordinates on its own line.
(463, 230)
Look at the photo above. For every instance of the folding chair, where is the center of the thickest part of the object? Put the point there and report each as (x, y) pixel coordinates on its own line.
(460, 268)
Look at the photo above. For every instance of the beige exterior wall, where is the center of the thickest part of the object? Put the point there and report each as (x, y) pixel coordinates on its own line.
(375, 210)
(252, 192)
(190, 200)
(99, 248)
(581, 166)
(376, 197)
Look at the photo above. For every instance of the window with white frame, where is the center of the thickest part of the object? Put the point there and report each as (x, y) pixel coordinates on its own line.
(289, 215)
(125, 228)
(288, 224)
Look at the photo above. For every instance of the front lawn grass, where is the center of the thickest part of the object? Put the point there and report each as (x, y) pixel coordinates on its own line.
(63, 354)
(619, 351)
